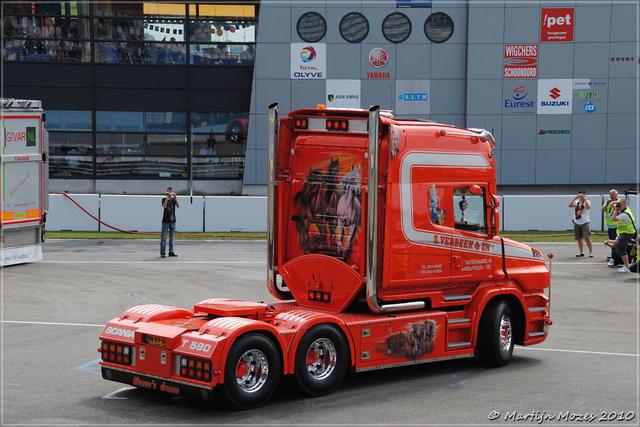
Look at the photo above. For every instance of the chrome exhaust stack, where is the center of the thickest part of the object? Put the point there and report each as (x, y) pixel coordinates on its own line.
(372, 222)
(272, 127)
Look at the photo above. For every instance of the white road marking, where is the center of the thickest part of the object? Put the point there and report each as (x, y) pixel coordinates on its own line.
(53, 323)
(147, 262)
(578, 351)
(113, 395)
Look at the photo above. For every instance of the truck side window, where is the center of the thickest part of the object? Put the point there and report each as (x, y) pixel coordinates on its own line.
(469, 210)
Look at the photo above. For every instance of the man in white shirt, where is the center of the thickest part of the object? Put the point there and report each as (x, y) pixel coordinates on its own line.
(581, 225)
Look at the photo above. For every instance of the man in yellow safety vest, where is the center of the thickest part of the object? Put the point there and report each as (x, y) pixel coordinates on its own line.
(609, 209)
(626, 230)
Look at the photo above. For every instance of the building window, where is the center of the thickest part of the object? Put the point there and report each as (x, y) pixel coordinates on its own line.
(70, 143)
(354, 27)
(438, 27)
(130, 33)
(219, 144)
(396, 27)
(222, 42)
(46, 32)
(139, 33)
(311, 27)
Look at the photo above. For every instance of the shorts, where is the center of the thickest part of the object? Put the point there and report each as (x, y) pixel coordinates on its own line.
(581, 231)
(622, 243)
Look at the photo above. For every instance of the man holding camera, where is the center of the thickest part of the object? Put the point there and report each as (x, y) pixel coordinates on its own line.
(169, 204)
(581, 226)
(626, 230)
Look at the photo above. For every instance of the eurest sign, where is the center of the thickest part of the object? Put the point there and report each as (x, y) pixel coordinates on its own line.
(557, 25)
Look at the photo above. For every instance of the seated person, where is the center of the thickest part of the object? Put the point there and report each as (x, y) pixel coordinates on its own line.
(463, 207)
(616, 259)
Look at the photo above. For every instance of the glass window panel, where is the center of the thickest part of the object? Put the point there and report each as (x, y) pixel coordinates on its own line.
(166, 122)
(70, 165)
(120, 121)
(139, 53)
(49, 50)
(218, 167)
(124, 10)
(138, 121)
(218, 122)
(438, 27)
(311, 27)
(141, 167)
(68, 120)
(45, 27)
(47, 8)
(224, 31)
(210, 54)
(219, 145)
(396, 27)
(118, 29)
(141, 144)
(75, 142)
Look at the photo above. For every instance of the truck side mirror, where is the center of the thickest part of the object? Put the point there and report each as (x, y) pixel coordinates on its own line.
(495, 227)
(475, 189)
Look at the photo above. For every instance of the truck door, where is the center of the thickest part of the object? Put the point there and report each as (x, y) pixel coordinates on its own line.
(473, 251)
(417, 217)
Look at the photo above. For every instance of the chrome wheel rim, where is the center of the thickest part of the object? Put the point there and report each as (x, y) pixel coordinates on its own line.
(252, 371)
(321, 358)
(505, 334)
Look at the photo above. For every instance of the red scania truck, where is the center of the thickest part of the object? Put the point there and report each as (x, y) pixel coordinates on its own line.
(383, 251)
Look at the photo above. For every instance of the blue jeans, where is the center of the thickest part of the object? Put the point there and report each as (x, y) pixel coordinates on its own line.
(169, 227)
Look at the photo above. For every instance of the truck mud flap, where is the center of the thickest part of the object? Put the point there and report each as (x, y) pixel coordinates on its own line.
(174, 388)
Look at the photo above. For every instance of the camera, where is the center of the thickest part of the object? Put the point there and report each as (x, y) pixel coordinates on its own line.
(617, 205)
(578, 216)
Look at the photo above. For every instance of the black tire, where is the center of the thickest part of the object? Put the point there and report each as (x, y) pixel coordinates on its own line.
(252, 372)
(322, 359)
(495, 334)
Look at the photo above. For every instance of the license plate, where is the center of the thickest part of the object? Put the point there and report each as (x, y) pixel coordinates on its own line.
(152, 339)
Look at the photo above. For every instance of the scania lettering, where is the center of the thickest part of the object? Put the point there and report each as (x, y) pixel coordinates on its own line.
(383, 250)
(23, 181)
(121, 332)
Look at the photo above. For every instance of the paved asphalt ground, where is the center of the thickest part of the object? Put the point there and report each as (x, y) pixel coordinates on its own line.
(54, 310)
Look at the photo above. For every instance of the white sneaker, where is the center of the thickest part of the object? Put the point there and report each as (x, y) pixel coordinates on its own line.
(612, 262)
(624, 270)
(590, 254)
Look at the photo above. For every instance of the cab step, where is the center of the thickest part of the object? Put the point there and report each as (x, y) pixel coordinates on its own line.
(459, 344)
(457, 297)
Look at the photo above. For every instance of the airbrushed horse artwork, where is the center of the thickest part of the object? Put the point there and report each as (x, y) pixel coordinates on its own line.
(329, 210)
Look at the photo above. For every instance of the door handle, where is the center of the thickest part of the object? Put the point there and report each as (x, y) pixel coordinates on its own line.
(455, 261)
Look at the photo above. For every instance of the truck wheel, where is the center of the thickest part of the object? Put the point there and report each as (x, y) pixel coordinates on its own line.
(252, 372)
(321, 361)
(495, 336)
